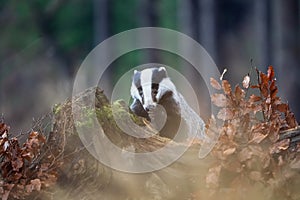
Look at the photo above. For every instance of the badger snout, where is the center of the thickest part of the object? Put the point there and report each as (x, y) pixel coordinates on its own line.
(149, 107)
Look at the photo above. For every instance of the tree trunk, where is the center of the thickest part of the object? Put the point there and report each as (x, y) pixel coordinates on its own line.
(82, 176)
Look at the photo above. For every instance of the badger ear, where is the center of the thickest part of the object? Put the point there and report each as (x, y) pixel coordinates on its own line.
(136, 73)
(136, 76)
(162, 69)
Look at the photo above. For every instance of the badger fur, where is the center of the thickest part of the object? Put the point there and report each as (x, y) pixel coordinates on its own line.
(153, 90)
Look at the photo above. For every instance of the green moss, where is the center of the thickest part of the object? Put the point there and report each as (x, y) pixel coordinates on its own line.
(106, 115)
(57, 108)
(137, 120)
(87, 118)
(120, 108)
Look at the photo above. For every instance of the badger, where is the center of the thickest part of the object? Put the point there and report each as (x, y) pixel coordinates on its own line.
(156, 99)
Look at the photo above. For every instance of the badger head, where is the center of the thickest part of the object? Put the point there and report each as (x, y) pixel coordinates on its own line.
(150, 85)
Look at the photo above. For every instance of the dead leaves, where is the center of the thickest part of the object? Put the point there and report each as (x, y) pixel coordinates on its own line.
(212, 178)
(21, 172)
(271, 73)
(230, 151)
(249, 136)
(215, 84)
(253, 99)
(246, 82)
(225, 114)
(280, 146)
(219, 100)
(226, 87)
(258, 137)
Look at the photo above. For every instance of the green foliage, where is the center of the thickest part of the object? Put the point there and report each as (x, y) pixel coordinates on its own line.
(124, 15)
(168, 13)
(73, 25)
(69, 28)
(18, 31)
(88, 116)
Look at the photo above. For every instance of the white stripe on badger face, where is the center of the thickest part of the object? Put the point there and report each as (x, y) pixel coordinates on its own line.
(146, 83)
(135, 93)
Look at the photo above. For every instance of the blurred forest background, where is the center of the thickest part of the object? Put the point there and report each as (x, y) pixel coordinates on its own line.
(43, 42)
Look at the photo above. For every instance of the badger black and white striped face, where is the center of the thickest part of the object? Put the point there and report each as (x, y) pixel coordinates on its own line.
(150, 85)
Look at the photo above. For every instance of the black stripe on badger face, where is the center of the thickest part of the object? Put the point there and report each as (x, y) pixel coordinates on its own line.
(136, 79)
(158, 74)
